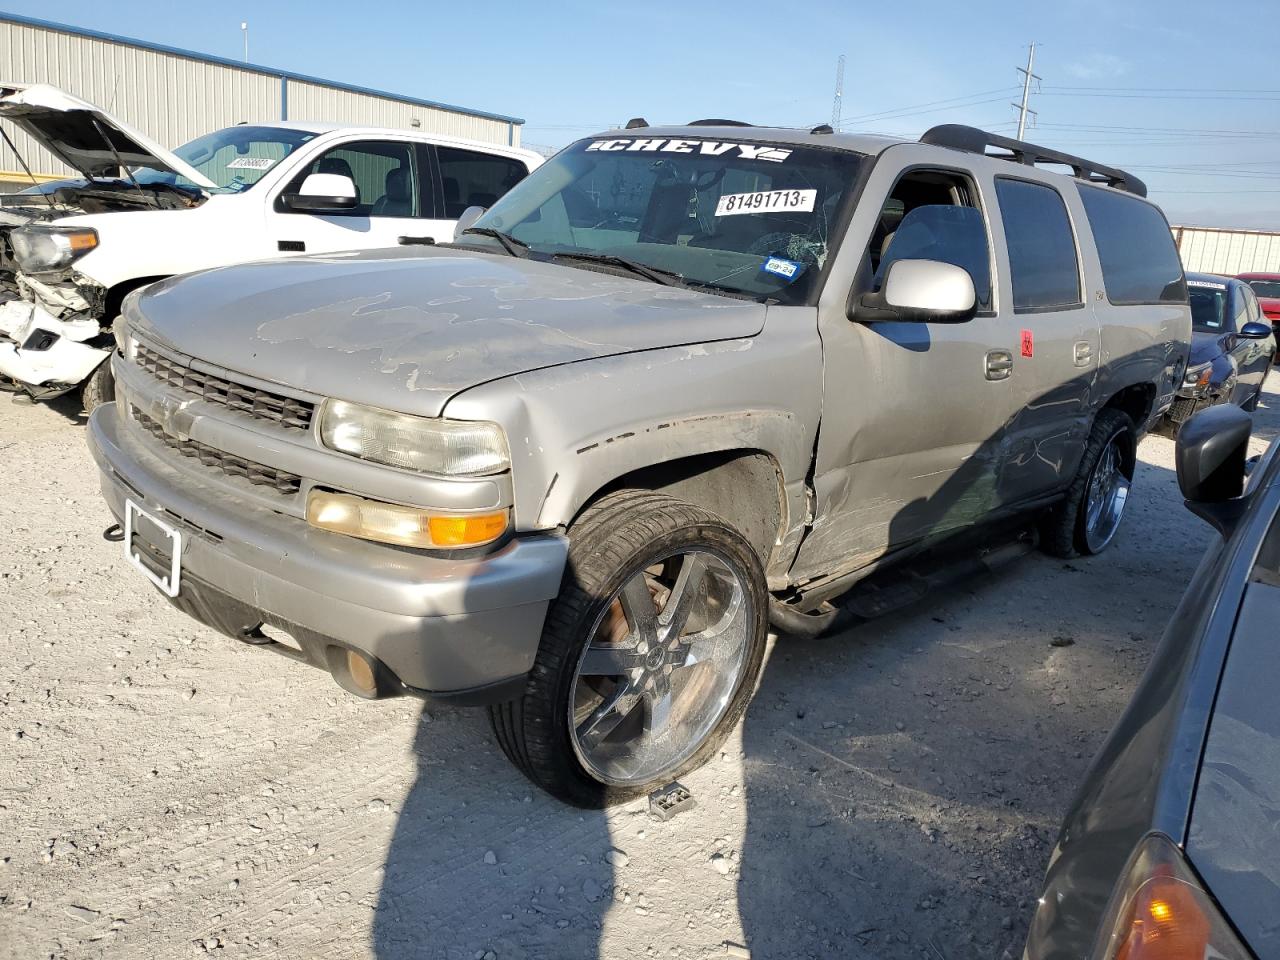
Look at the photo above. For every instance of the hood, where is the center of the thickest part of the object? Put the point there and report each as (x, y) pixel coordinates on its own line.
(407, 329)
(84, 136)
(1204, 347)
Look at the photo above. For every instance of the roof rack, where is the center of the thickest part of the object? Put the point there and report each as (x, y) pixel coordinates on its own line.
(637, 123)
(972, 140)
(720, 123)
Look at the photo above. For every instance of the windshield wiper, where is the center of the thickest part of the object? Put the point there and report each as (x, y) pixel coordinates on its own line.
(668, 278)
(517, 248)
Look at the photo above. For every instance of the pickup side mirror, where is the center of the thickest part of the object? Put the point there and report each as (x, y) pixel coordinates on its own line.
(1211, 452)
(1253, 330)
(324, 193)
(921, 291)
(467, 220)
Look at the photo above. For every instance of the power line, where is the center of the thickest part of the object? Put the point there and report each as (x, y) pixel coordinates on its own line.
(915, 108)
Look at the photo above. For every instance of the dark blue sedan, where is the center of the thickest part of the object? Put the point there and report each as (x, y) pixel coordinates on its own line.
(1232, 346)
(1171, 850)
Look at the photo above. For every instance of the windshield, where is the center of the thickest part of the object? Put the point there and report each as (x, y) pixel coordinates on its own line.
(1208, 305)
(235, 158)
(1266, 288)
(741, 217)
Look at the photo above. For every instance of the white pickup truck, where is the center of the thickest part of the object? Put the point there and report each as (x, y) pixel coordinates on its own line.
(70, 251)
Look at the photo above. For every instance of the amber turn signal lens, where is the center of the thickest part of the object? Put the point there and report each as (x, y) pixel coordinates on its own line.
(467, 531)
(82, 242)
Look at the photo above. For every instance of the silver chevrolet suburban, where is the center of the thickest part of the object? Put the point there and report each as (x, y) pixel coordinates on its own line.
(679, 384)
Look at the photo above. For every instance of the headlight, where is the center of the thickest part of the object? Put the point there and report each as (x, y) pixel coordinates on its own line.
(452, 448)
(1160, 911)
(44, 249)
(1198, 377)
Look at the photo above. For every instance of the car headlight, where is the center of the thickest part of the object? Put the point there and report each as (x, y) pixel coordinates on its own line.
(451, 448)
(1198, 377)
(45, 249)
(1160, 911)
(401, 525)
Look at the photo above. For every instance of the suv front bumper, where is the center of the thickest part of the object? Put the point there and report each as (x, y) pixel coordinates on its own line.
(463, 630)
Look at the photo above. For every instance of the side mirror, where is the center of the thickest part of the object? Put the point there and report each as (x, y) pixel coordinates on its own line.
(1211, 452)
(1253, 330)
(324, 193)
(922, 291)
(468, 219)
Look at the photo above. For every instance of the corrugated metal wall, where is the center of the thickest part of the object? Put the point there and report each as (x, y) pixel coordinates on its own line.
(310, 101)
(1207, 250)
(174, 98)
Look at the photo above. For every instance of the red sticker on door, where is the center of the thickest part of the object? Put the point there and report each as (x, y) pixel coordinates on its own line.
(1028, 344)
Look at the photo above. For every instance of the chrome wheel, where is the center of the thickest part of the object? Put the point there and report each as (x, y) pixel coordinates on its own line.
(1106, 496)
(662, 664)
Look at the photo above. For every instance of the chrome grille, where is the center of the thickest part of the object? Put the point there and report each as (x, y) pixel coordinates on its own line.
(233, 466)
(262, 404)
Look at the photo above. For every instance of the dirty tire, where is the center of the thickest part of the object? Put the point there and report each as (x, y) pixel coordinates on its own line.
(1062, 533)
(100, 388)
(609, 543)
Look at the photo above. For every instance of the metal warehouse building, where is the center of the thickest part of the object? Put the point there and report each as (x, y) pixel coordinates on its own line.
(176, 95)
(1221, 250)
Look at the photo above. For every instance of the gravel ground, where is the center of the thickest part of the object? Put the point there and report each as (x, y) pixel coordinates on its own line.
(893, 792)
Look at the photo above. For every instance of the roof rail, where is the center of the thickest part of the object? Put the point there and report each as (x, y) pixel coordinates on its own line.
(972, 140)
(720, 123)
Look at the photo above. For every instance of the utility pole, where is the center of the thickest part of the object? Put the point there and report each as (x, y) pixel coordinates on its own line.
(1027, 77)
(837, 102)
(244, 29)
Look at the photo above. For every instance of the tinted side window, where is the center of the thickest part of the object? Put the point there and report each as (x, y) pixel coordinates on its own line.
(1140, 262)
(1042, 248)
(383, 172)
(473, 179)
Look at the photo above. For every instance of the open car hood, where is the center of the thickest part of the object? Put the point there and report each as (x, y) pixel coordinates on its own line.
(84, 136)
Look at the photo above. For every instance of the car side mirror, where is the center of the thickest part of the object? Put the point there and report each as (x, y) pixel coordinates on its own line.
(921, 291)
(467, 220)
(324, 193)
(1211, 452)
(1253, 330)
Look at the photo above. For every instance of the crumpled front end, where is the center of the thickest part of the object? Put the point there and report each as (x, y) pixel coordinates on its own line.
(51, 334)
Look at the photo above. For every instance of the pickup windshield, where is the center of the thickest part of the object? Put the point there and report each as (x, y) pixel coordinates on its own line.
(235, 158)
(741, 217)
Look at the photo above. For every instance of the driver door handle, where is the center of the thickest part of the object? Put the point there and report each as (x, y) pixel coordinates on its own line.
(999, 364)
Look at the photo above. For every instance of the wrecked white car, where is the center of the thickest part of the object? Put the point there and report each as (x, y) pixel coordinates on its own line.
(71, 251)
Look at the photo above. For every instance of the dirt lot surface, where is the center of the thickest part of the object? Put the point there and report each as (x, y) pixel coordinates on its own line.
(894, 791)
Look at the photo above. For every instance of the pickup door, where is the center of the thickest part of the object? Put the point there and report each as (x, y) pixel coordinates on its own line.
(402, 198)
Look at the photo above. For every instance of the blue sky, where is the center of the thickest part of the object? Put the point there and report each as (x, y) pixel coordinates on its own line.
(1186, 98)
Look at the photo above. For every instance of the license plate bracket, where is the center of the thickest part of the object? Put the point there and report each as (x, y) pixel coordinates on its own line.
(170, 538)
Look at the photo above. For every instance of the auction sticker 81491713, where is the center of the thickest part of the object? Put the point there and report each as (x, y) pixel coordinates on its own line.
(766, 201)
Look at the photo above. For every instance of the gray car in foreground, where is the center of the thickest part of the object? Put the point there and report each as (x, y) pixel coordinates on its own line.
(677, 384)
(1171, 848)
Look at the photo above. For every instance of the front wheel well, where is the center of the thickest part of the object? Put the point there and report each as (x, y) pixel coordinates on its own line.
(743, 487)
(115, 296)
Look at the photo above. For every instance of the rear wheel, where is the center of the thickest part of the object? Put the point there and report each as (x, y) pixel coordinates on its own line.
(649, 654)
(1086, 521)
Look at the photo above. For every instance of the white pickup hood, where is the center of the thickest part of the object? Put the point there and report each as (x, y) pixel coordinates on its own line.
(85, 136)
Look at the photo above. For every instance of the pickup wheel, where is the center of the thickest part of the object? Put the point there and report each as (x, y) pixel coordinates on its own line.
(100, 388)
(1087, 520)
(648, 656)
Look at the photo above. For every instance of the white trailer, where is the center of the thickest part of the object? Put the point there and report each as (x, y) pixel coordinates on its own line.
(1226, 251)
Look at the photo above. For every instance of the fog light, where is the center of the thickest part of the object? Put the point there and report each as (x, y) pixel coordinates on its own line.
(405, 526)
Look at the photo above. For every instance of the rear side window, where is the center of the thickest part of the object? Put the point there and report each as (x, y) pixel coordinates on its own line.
(1042, 247)
(1140, 262)
(473, 179)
